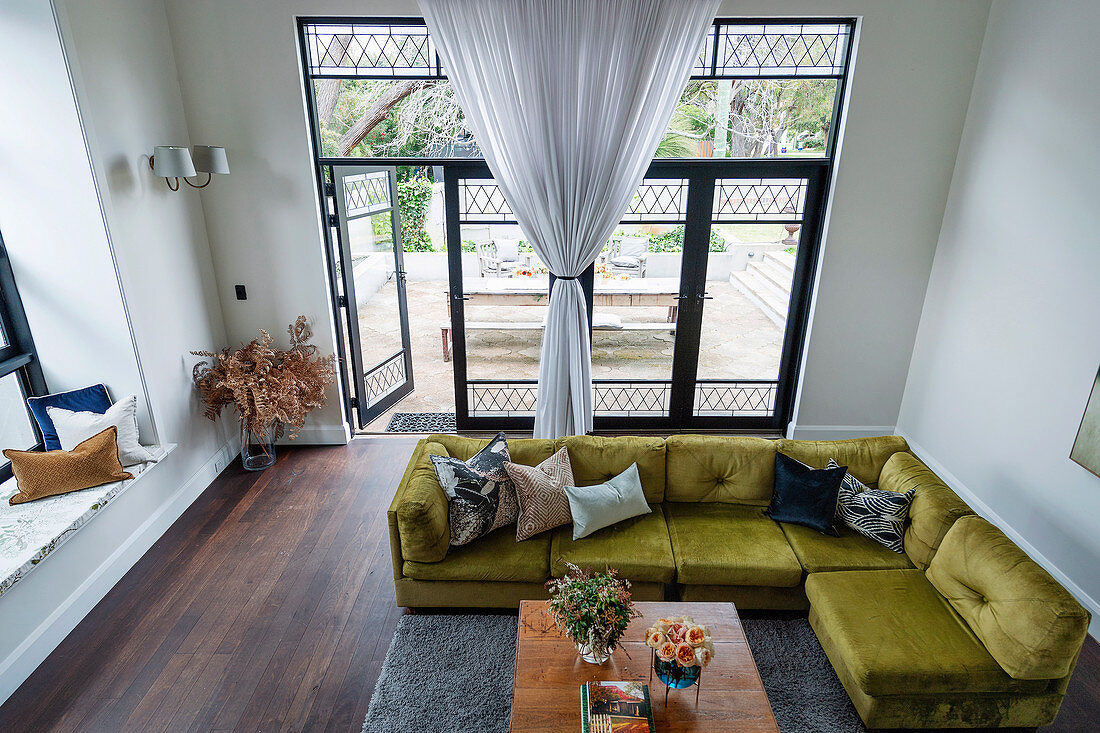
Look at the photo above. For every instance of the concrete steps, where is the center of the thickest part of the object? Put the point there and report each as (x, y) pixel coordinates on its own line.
(768, 284)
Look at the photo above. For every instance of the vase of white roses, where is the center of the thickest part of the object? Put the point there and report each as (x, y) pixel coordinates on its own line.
(681, 651)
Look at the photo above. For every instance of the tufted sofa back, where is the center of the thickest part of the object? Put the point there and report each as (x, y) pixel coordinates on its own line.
(595, 459)
(1029, 623)
(727, 470)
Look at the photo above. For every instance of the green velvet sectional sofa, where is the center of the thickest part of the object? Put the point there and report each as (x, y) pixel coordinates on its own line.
(962, 630)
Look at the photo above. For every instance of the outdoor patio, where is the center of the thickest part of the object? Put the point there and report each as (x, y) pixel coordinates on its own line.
(739, 341)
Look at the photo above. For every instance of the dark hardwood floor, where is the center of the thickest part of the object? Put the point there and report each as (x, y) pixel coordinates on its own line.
(268, 606)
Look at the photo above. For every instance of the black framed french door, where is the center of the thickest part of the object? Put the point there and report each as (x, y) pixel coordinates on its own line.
(716, 375)
(369, 279)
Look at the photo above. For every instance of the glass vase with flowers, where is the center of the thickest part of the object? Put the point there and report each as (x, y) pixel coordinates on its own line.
(591, 609)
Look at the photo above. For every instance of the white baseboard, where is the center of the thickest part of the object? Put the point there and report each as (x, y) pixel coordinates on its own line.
(985, 511)
(836, 432)
(321, 435)
(31, 593)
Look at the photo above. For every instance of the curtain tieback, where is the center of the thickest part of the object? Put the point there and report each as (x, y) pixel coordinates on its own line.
(561, 277)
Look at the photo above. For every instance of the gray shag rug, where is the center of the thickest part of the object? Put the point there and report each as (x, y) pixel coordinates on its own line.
(453, 674)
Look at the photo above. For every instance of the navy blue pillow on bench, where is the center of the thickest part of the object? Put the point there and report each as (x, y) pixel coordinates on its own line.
(88, 399)
(805, 495)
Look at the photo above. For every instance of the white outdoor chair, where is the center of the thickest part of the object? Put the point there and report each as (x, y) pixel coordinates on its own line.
(498, 257)
(628, 255)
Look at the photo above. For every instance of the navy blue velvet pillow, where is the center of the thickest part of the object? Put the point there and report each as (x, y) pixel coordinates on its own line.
(805, 495)
(89, 399)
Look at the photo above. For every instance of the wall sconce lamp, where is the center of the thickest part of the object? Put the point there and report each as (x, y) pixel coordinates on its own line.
(173, 162)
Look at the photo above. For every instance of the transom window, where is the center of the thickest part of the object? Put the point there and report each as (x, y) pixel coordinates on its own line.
(758, 90)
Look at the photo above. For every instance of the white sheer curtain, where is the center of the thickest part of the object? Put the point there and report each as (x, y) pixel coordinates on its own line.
(568, 100)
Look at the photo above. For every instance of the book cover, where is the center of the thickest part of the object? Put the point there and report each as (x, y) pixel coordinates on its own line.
(616, 707)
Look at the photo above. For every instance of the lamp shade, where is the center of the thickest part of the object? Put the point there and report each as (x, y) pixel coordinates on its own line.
(210, 159)
(172, 161)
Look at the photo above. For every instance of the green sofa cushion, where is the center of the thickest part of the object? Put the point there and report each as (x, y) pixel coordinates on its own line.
(864, 457)
(819, 553)
(1030, 624)
(596, 459)
(934, 509)
(422, 510)
(525, 451)
(891, 633)
(496, 557)
(719, 469)
(729, 544)
(638, 548)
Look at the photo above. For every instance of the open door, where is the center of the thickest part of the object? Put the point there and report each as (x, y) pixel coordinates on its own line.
(372, 275)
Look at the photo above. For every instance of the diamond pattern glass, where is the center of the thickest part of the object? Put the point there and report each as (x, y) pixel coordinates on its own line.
(759, 199)
(781, 50)
(735, 399)
(371, 50)
(483, 202)
(385, 377)
(631, 398)
(502, 399)
(366, 193)
(659, 200)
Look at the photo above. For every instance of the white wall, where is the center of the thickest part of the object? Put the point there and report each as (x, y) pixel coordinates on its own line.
(241, 81)
(119, 52)
(1009, 341)
(51, 219)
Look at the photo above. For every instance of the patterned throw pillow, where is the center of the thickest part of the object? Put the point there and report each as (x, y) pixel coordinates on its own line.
(480, 495)
(874, 513)
(540, 492)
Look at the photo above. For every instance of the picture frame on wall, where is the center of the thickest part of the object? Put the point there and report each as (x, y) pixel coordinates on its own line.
(1086, 448)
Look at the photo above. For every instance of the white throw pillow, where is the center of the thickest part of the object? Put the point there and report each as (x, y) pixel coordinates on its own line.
(73, 428)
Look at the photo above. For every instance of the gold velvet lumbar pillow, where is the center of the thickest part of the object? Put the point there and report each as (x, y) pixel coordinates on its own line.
(91, 463)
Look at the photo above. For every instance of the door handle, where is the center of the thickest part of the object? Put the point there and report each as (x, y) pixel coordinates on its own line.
(456, 296)
(704, 296)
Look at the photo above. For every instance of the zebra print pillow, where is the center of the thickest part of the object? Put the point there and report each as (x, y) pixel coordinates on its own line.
(875, 513)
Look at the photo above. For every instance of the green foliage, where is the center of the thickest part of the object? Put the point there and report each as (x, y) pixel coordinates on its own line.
(673, 241)
(414, 196)
(469, 245)
(591, 608)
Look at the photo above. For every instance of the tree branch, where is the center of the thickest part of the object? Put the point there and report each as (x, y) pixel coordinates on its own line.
(378, 112)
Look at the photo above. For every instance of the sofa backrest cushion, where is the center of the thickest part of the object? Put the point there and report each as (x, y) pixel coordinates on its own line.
(596, 459)
(728, 470)
(422, 521)
(864, 457)
(934, 508)
(525, 451)
(1028, 622)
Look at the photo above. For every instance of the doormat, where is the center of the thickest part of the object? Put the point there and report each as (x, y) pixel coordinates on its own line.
(421, 422)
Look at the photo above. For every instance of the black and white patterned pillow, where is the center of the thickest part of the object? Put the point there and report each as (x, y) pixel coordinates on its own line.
(480, 495)
(875, 513)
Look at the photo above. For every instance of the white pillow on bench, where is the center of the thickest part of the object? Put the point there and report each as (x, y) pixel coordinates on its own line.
(73, 428)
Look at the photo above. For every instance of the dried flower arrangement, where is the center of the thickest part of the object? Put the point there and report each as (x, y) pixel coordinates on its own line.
(267, 385)
(680, 640)
(592, 609)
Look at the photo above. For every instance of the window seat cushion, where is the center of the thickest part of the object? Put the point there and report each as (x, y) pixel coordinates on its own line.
(31, 531)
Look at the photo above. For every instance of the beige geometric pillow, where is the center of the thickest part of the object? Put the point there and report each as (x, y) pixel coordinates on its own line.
(540, 491)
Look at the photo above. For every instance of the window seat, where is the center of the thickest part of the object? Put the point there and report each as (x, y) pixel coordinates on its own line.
(30, 532)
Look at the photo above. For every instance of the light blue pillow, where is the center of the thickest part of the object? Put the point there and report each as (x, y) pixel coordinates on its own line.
(599, 506)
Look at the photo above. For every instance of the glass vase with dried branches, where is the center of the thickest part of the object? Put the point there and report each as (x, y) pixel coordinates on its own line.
(272, 389)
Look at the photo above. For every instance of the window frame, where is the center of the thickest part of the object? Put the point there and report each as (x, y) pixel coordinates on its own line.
(18, 356)
(821, 167)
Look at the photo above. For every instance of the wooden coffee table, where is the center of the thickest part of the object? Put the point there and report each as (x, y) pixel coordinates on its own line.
(546, 690)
